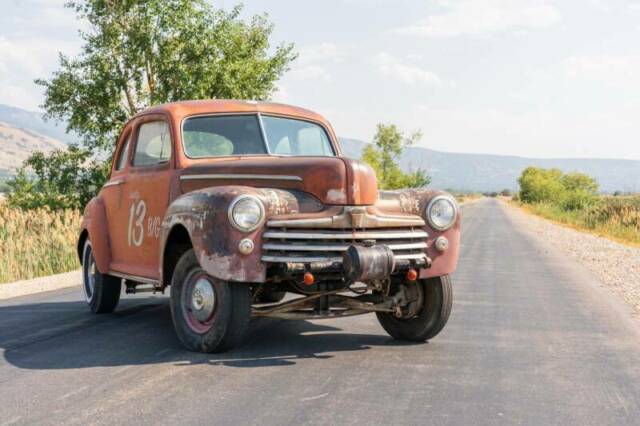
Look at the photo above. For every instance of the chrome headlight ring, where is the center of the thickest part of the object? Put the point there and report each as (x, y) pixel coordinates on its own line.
(440, 222)
(247, 202)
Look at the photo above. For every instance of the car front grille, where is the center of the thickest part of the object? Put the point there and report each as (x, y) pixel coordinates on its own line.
(328, 244)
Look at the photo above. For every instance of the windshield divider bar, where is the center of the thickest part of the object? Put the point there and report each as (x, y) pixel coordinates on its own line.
(264, 134)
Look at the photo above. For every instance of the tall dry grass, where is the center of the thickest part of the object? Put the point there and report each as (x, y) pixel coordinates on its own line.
(614, 217)
(37, 242)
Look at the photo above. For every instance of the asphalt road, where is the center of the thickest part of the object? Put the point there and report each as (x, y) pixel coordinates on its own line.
(533, 339)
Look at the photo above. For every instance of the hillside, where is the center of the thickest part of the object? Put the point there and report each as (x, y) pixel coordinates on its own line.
(16, 144)
(33, 121)
(23, 132)
(484, 172)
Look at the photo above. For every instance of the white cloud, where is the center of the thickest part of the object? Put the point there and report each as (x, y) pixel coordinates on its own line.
(311, 72)
(314, 61)
(474, 17)
(323, 52)
(614, 70)
(390, 66)
(22, 60)
(538, 133)
(601, 5)
(19, 57)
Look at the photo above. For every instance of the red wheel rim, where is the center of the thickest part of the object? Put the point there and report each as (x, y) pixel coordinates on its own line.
(199, 301)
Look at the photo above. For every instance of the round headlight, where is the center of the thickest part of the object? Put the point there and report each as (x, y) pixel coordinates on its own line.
(442, 212)
(246, 213)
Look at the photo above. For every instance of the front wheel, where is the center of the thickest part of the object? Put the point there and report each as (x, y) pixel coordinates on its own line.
(101, 291)
(209, 315)
(430, 320)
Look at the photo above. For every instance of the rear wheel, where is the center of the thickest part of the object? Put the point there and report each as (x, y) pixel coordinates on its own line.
(209, 315)
(437, 299)
(101, 291)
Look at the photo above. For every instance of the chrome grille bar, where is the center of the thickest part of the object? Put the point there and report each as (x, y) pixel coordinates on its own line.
(336, 247)
(338, 235)
(332, 259)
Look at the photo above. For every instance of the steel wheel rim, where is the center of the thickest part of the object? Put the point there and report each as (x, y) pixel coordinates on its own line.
(89, 278)
(199, 301)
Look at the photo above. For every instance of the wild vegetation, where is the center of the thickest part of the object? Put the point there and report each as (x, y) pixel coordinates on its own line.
(135, 54)
(383, 155)
(36, 242)
(573, 199)
(140, 53)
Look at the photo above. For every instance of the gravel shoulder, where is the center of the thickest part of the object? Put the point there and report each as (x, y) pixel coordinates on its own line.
(615, 264)
(41, 284)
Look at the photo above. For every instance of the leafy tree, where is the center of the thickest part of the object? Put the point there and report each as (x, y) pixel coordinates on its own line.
(139, 53)
(577, 181)
(63, 179)
(382, 156)
(571, 191)
(539, 185)
(145, 52)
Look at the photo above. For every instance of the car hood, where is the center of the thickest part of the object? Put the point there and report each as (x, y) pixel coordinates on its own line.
(332, 180)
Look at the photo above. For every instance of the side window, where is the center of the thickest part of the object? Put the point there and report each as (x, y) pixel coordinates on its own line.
(124, 154)
(154, 144)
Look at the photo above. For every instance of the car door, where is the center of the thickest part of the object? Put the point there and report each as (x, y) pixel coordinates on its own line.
(145, 197)
(112, 195)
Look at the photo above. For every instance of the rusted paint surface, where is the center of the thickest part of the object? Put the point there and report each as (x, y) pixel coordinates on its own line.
(362, 185)
(323, 177)
(132, 216)
(415, 201)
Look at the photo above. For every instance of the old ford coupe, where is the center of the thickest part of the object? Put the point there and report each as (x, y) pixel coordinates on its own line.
(249, 209)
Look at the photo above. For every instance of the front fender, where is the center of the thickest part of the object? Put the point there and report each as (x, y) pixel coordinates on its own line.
(415, 201)
(204, 214)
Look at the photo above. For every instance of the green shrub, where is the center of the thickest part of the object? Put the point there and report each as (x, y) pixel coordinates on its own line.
(571, 191)
(577, 200)
(61, 180)
(541, 185)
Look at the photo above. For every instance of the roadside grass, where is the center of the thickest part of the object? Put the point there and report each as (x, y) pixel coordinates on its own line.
(36, 243)
(462, 197)
(616, 218)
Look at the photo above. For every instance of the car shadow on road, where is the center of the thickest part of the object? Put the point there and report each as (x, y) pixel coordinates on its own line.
(64, 335)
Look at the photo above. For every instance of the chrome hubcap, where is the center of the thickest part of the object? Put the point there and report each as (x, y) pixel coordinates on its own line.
(203, 299)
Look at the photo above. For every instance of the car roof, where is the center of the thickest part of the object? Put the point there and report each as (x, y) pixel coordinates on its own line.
(179, 110)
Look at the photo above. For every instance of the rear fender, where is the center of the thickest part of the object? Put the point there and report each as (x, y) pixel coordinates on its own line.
(94, 223)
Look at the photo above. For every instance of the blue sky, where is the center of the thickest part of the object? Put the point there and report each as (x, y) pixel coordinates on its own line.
(520, 77)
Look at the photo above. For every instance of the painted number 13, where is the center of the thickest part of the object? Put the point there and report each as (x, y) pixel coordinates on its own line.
(137, 212)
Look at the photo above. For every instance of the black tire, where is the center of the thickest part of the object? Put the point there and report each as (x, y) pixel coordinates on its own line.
(270, 296)
(438, 299)
(219, 330)
(101, 291)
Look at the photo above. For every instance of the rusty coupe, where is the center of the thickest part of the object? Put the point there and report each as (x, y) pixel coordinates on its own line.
(235, 204)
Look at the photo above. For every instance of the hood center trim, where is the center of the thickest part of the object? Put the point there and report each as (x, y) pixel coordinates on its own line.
(241, 176)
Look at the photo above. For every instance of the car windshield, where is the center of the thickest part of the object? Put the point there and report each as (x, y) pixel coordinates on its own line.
(220, 135)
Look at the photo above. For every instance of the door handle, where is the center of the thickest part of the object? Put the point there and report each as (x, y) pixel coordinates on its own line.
(113, 183)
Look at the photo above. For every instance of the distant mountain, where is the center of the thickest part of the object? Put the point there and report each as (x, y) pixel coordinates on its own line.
(484, 172)
(22, 132)
(33, 122)
(17, 144)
